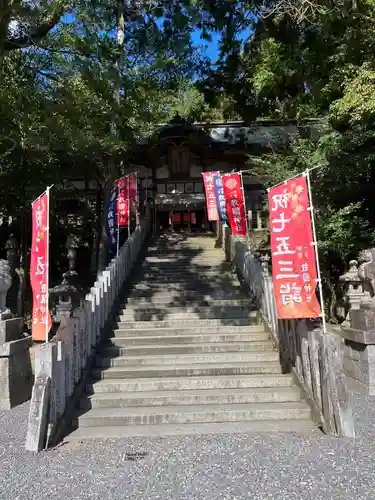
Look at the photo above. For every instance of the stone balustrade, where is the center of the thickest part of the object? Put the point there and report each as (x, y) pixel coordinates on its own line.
(316, 359)
(63, 365)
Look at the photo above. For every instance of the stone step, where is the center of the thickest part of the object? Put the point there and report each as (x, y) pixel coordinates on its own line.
(191, 326)
(220, 382)
(190, 370)
(195, 413)
(186, 313)
(217, 305)
(185, 269)
(202, 287)
(188, 304)
(144, 431)
(180, 263)
(204, 284)
(184, 348)
(224, 278)
(252, 319)
(151, 330)
(124, 339)
(140, 296)
(138, 303)
(191, 397)
(178, 277)
(186, 359)
(188, 268)
(182, 258)
(176, 248)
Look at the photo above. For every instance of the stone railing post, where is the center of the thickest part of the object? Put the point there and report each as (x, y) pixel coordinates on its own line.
(264, 259)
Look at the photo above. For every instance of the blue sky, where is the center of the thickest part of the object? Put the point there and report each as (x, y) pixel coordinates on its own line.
(212, 47)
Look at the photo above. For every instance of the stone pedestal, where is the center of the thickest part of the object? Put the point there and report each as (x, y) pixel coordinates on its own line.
(16, 377)
(359, 357)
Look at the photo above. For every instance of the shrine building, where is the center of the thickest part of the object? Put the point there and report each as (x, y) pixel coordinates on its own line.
(171, 162)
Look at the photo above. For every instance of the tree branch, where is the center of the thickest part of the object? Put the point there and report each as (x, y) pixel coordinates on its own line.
(38, 33)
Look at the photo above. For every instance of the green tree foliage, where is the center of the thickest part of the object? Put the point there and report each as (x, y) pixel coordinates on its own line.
(76, 94)
(81, 82)
(315, 64)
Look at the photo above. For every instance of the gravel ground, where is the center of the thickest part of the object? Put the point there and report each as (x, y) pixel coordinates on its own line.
(290, 467)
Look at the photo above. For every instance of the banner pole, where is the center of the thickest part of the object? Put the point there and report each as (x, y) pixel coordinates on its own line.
(294, 176)
(118, 222)
(128, 178)
(47, 263)
(315, 244)
(137, 199)
(244, 202)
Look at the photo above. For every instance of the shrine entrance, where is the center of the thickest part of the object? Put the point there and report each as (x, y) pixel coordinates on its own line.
(181, 220)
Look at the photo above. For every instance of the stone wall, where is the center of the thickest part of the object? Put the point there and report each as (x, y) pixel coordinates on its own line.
(359, 358)
(16, 378)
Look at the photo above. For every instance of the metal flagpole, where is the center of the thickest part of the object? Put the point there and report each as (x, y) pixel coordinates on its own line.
(128, 177)
(136, 199)
(47, 262)
(222, 187)
(118, 221)
(244, 202)
(223, 175)
(315, 244)
(146, 194)
(293, 177)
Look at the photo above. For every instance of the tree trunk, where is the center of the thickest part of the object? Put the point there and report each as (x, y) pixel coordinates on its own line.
(112, 170)
(4, 23)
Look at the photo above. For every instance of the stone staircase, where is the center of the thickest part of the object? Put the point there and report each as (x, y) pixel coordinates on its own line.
(188, 355)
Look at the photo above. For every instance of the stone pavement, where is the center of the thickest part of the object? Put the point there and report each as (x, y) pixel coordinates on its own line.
(251, 466)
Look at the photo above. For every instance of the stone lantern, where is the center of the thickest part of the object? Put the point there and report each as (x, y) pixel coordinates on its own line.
(11, 248)
(354, 290)
(5, 284)
(13, 299)
(68, 293)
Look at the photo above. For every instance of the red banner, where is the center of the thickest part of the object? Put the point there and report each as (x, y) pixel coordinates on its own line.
(122, 208)
(293, 255)
(234, 198)
(39, 268)
(210, 196)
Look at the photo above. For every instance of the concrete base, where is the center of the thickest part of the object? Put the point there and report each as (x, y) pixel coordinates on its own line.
(359, 364)
(16, 377)
(11, 329)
